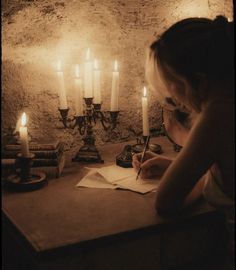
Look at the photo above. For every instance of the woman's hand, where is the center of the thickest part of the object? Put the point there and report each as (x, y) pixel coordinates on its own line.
(153, 165)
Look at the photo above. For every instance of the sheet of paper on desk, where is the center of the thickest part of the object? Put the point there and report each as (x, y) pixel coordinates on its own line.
(115, 173)
(94, 180)
(116, 177)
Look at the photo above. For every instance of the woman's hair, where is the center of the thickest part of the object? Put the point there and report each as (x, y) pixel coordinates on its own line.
(194, 48)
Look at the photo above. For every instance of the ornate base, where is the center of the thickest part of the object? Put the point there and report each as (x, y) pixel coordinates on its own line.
(154, 147)
(88, 153)
(37, 180)
(124, 159)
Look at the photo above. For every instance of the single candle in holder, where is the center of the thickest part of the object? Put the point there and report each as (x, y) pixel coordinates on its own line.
(145, 113)
(61, 87)
(97, 84)
(78, 93)
(115, 88)
(24, 137)
(88, 76)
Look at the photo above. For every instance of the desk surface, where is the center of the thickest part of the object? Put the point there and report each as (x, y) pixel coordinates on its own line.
(62, 214)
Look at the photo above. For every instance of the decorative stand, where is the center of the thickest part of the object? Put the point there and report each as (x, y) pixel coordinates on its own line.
(124, 159)
(25, 180)
(88, 152)
(154, 147)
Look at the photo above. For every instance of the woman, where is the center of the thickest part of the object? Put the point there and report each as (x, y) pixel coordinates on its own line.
(192, 65)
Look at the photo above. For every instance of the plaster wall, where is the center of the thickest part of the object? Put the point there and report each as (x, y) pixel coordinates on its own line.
(36, 33)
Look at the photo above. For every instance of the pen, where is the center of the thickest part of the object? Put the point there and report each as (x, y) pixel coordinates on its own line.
(143, 154)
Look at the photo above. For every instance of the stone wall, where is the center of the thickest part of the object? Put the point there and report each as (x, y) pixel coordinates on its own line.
(36, 33)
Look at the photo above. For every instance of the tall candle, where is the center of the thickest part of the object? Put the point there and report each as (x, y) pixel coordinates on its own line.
(61, 87)
(145, 113)
(88, 76)
(96, 83)
(24, 137)
(78, 93)
(115, 88)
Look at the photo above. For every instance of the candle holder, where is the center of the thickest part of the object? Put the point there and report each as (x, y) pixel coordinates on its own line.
(124, 159)
(139, 146)
(24, 180)
(92, 114)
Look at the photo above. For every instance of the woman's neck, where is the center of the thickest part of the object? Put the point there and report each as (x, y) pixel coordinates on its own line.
(218, 92)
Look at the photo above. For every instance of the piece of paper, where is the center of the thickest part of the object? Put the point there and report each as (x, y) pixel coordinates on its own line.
(115, 173)
(140, 185)
(95, 180)
(114, 177)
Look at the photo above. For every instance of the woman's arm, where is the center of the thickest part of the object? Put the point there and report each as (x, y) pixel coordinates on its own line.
(189, 166)
(195, 193)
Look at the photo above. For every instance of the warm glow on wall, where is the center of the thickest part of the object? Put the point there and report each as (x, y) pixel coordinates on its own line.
(58, 67)
(88, 54)
(198, 8)
(116, 66)
(77, 72)
(23, 119)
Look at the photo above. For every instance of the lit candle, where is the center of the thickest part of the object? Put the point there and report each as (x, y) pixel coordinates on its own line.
(24, 137)
(61, 87)
(88, 76)
(78, 93)
(145, 112)
(96, 83)
(115, 88)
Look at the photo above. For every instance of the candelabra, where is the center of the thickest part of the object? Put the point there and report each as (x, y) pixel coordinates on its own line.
(85, 123)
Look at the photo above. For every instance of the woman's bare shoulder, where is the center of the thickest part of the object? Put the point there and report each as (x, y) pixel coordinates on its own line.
(219, 118)
(222, 106)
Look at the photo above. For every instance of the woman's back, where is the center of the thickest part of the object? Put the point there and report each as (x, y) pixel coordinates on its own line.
(223, 112)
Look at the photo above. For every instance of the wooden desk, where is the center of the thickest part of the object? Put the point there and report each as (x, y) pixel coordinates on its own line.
(63, 226)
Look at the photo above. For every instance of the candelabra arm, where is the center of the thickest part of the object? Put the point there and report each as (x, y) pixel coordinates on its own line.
(114, 116)
(109, 123)
(80, 121)
(104, 121)
(64, 116)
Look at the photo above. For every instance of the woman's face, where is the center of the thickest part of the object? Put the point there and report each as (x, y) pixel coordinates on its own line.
(167, 84)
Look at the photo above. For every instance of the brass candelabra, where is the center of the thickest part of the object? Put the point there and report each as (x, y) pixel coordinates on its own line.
(88, 151)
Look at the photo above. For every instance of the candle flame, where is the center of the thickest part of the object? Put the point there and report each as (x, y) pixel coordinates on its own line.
(95, 64)
(88, 54)
(23, 119)
(144, 91)
(115, 66)
(59, 65)
(77, 72)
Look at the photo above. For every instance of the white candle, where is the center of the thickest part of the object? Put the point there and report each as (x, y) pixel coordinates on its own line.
(24, 137)
(96, 83)
(78, 93)
(115, 88)
(145, 113)
(61, 87)
(88, 76)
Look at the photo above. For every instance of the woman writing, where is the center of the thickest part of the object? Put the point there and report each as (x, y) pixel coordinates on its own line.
(192, 65)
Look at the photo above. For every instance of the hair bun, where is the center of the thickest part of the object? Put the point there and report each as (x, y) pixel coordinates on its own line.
(220, 21)
(222, 27)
